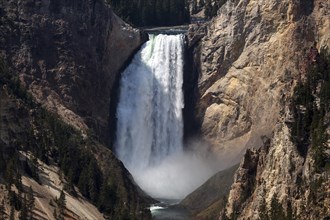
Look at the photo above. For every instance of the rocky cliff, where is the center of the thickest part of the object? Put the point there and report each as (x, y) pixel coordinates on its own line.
(212, 194)
(38, 150)
(67, 54)
(275, 182)
(58, 66)
(250, 58)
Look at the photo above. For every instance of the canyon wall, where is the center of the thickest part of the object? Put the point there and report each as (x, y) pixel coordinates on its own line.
(62, 58)
(68, 55)
(250, 59)
(252, 56)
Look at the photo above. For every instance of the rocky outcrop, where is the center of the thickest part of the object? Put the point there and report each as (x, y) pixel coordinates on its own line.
(290, 173)
(279, 174)
(250, 60)
(206, 201)
(67, 54)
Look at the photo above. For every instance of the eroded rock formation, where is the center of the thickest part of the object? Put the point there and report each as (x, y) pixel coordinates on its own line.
(252, 56)
(250, 60)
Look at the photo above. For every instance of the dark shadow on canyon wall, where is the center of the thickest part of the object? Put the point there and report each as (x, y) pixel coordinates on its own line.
(190, 89)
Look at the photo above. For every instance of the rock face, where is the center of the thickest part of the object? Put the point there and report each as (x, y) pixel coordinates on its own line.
(277, 172)
(206, 201)
(250, 58)
(20, 129)
(67, 54)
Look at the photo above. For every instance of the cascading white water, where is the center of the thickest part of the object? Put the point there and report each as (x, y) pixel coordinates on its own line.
(150, 108)
(149, 120)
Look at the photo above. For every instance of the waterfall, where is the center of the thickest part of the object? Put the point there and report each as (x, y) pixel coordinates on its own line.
(150, 108)
(150, 124)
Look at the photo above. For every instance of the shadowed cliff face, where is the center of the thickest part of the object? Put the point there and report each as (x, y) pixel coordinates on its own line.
(250, 57)
(67, 54)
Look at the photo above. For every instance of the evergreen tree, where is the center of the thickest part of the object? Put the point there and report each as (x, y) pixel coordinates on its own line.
(12, 213)
(59, 211)
(2, 210)
(208, 9)
(263, 211)
(30, 203)
(2, 161)
(62, 203)
(108, 197)
(277, 211)
(194, 6)
(309, 127)
(289, 213)
(94, 180)
(83, 182)
(152, 12)
(14, 200)
(214, 10)
(201, 3)
(24, 212)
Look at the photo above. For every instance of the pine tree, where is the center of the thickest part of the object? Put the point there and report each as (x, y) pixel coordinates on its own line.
(94, 177)
(289, 212)
(108, 197)
(277, 211)
(55, 214)
(208, 9)
(152, 12)
(214, 10)
(2, 210)
(83, 182)
(59, 211)
(194, 7)
(12, 213)
(201, 3)
(2, 161)
(61, 203)
(30, 203)
(24, 212)
(263, 211)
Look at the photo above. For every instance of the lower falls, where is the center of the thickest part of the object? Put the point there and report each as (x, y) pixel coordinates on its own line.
(149, 136)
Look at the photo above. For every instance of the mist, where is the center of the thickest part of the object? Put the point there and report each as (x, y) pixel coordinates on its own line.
(176, 176)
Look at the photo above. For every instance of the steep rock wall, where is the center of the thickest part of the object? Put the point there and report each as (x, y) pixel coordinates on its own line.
(278, 172)
(250, 58)
(24, 128)
(67, 54)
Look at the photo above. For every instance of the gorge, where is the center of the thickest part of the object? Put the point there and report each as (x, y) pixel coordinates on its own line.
(95, 113)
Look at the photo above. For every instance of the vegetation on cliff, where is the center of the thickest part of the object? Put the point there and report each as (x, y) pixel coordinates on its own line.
(42, 134)
(210, 7)
(311, 107)
(152, 12)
